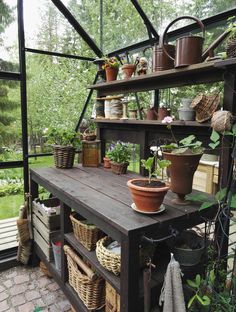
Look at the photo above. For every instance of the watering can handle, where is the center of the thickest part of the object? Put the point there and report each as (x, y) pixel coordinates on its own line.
(174, 21)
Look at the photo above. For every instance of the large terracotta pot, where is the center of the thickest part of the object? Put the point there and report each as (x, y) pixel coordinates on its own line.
(147, 199)
(181, 170)
(128, 70)
(111, 73)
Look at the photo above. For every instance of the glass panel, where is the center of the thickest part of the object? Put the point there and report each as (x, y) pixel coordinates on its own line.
(57, 90)
(47, 29)
(10, 121)
(8, 36)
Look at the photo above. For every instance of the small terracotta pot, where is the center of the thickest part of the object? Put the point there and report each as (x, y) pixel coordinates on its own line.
(163, 112)
(106, 162)
(128, 70)
(147, 199)
(119, 168)
(111, 73)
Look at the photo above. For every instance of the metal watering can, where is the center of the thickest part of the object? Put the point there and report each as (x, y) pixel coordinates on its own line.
(188, 48)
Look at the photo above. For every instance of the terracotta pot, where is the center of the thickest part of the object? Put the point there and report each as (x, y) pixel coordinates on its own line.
(128, 70)
(106, 162)
(152, 113)
(111, 73)
(147, 199)
(182, 169)
(133, 113)
(163, 112)
(119, 168)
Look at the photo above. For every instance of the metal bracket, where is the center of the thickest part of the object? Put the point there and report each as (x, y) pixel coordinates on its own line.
(147, 240)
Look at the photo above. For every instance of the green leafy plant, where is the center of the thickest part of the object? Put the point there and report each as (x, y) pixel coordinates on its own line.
(64, 137)
(154, 166)
(231, 27)
(111, 62)
(190, 144)
(120, 152)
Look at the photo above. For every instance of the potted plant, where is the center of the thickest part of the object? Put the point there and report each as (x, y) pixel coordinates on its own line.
(64, 143)
(119, 155)
(231, 42)
(184, 156)
(129, 68)
(111, 67)
(148, 193)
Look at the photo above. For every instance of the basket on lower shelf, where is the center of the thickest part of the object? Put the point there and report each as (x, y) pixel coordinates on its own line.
(107, 258)
(112, 261)
(112, 299)
(86, 233)
(89, 286)
(63, 156)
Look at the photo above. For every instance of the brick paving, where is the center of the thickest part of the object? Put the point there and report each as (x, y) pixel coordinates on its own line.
(24, 289)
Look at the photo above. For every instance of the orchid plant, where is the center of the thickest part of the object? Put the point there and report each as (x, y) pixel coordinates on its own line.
(188, 144)
(154, 165)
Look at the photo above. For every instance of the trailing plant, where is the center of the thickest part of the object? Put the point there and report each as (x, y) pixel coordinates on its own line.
(120, 152)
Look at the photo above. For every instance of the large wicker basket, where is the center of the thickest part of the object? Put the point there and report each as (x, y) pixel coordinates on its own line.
(107, 258)
(87, 234)
(119, 168)
(89, 286)
(63, 156)
(205, 106)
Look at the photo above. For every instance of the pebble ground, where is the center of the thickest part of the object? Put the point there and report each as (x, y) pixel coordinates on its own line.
(26, 289)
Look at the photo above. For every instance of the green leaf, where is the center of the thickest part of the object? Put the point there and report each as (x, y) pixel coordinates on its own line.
(214, 136)
(198, 279)
(192, 283)
(188, 140)
(221, 194)
(206, 205)
(233, 201)
(234, 130)
(197, 197)
(212, 276)
(206, 300)
(214, 145)
(180, 150)
(191, 301)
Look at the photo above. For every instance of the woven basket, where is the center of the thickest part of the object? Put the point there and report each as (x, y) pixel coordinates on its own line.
(23, 231)
(89, 136)
(107, 258)
(205, 106)
(87, 234)
(231, 48)
(44, 269)
(222, 121)
(91, 290)
(64, 156)
(119, 168)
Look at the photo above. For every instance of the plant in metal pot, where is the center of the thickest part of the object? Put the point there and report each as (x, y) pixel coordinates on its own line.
(64, 143)
(184, 156)
(148, 193)
(119, 154)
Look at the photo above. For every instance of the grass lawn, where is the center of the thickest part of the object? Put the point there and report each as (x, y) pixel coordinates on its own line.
(9, 206)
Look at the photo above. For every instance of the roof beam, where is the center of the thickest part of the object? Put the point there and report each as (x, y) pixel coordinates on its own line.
(146, 20)
(76, 25)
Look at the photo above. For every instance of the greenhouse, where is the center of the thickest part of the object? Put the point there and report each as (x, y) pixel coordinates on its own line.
(117, 155)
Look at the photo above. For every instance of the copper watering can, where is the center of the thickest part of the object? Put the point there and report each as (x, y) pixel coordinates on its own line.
(188, 48)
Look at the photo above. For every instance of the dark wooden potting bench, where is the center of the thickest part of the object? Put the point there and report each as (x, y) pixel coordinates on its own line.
(104, 199)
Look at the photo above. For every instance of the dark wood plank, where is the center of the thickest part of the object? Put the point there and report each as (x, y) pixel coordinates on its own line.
(91, 257)
(194, 74)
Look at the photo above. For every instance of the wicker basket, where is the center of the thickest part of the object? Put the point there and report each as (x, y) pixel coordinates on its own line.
(23, 231)
(112, 299)
(205, 106)
(112, 261)
(89, 136)
(231, 48)
(119, 168)
(107, 258)
(87, 234)
(89, 286)
(64, 156)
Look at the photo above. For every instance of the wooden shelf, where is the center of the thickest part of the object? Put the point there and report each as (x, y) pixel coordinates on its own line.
(91, 257)
(206, 72)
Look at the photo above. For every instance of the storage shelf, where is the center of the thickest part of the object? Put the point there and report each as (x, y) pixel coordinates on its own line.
(91, 257)
(206, 72)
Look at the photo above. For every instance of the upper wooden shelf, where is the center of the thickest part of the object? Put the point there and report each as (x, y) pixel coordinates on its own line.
(206, 72)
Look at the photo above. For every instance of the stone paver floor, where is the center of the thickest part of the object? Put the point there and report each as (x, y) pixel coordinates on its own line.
(24, 289)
